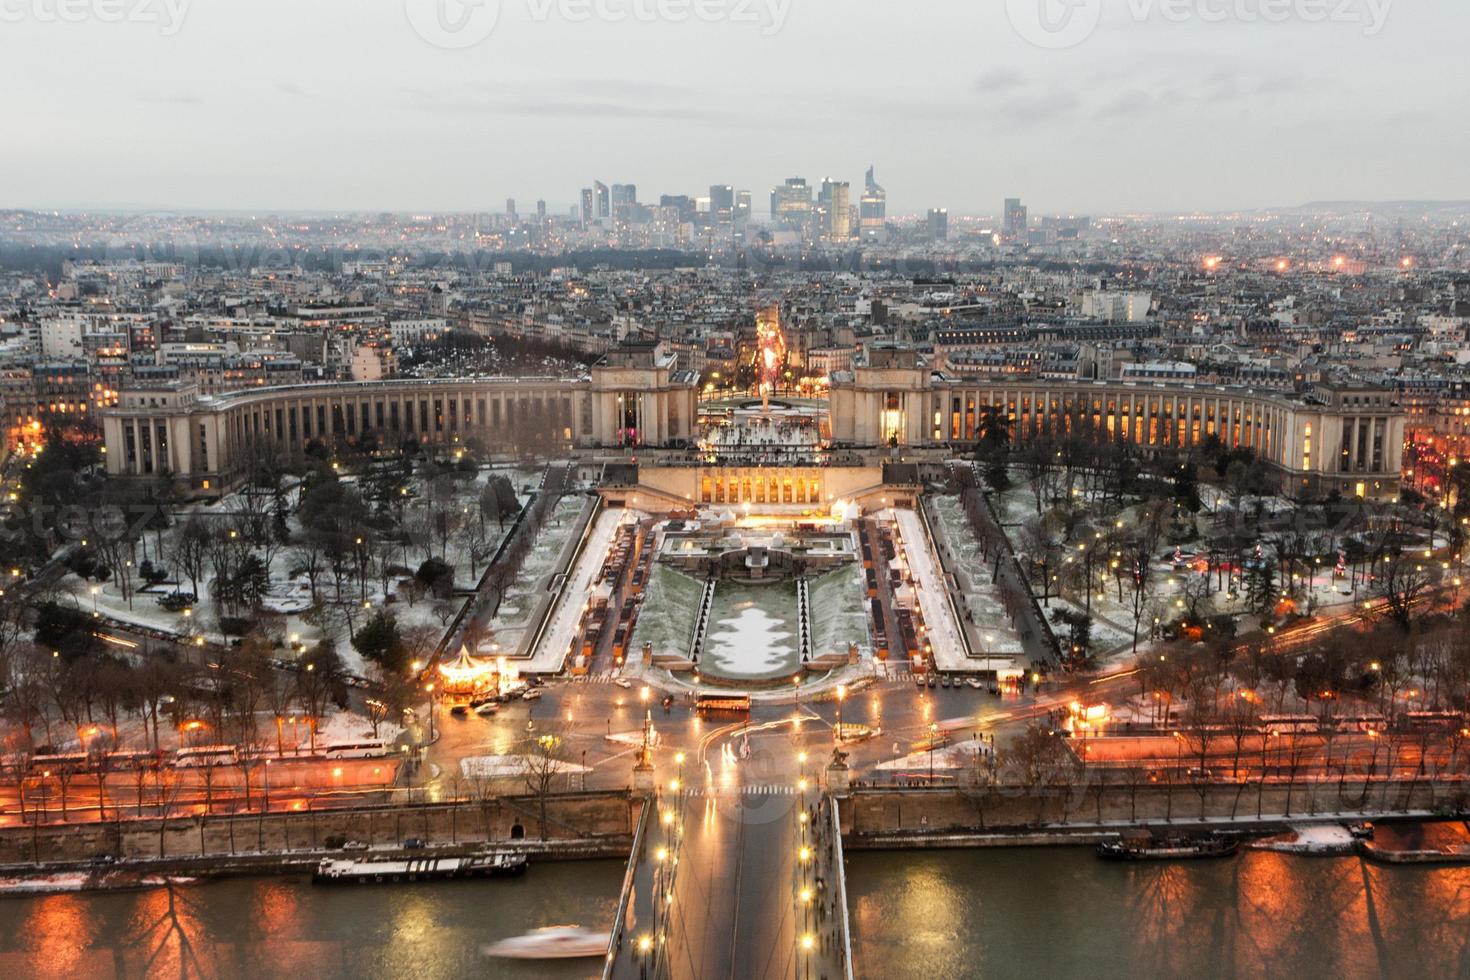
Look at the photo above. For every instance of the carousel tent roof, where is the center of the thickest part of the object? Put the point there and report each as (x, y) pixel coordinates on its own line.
(463, 667)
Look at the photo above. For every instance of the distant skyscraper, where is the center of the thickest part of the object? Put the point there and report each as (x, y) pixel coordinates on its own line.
(603, 199)
(721, 203)
(1016, 220)
(624, 198)
(938, 224)
(839, 210)
(741, 214)
(873, 208)
(589, 206)
(683, 203)
(791, 203)
(510, 207)
(541, 212)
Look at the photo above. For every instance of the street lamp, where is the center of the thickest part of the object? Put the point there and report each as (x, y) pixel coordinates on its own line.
(645, 946)
(933, 735)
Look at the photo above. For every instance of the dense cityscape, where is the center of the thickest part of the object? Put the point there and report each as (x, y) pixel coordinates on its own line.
(449, 530)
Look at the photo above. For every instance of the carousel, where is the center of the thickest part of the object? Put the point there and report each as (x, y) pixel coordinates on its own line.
(467, 679)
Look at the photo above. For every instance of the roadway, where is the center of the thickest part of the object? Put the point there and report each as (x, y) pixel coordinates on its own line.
(736, 832)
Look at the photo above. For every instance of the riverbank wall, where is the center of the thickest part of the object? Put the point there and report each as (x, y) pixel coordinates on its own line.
(577, 825)
(884, 818)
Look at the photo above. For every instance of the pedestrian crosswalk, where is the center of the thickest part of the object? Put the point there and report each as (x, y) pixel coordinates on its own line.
(606, 678)
(760, 789)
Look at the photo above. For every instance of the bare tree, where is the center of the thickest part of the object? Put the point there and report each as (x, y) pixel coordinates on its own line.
(1401, 584)
(545, 757)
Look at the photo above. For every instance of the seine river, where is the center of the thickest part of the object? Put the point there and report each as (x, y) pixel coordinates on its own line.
(1062, 912)
(267, 928)
(933, 915)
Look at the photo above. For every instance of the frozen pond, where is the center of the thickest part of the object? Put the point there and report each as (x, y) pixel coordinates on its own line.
(752, 631)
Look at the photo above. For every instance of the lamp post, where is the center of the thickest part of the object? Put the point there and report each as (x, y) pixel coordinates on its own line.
(933, 734)
(841, 695)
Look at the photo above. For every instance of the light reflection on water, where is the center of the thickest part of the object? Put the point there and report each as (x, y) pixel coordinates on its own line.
(1038, 913)
(285, 927)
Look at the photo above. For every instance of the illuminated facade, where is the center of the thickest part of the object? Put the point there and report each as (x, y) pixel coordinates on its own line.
(634, 397)
(1347, 439)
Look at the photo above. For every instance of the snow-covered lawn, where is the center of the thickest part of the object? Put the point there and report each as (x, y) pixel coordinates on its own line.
(666, 618)
(839, 611)
(993, 631)
(513, 766)
(520, 600)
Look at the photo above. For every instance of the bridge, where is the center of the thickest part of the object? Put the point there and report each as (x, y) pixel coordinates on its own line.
(737, 873)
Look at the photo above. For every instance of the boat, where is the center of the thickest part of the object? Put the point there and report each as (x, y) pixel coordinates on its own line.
(551, 943)
(372, 870)
(1143, 845)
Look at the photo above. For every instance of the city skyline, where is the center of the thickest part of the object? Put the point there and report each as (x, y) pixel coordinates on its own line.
(967, 109)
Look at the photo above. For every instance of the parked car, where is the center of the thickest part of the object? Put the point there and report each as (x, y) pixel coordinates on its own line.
(414, 844)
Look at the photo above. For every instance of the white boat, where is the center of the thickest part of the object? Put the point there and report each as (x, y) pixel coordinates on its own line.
(551, 943)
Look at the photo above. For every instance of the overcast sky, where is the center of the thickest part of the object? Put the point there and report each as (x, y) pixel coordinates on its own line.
(343, 104)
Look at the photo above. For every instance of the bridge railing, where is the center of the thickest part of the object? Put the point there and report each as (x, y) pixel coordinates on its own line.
(840, 878)
(616, 935)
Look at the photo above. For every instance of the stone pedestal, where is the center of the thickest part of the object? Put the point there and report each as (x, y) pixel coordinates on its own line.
(839, 779)
(643, 778)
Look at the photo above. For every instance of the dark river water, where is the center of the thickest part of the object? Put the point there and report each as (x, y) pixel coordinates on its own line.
(1034, 914)
(1061, 912)
(264, 928)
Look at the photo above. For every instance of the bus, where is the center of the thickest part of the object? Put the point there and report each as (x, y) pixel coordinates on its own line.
(61, 763)
(131, 761)
(366, 749)
(1290, 724)
(1367, 721)
(1433, 721)
(723, 704)
(206, 755)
